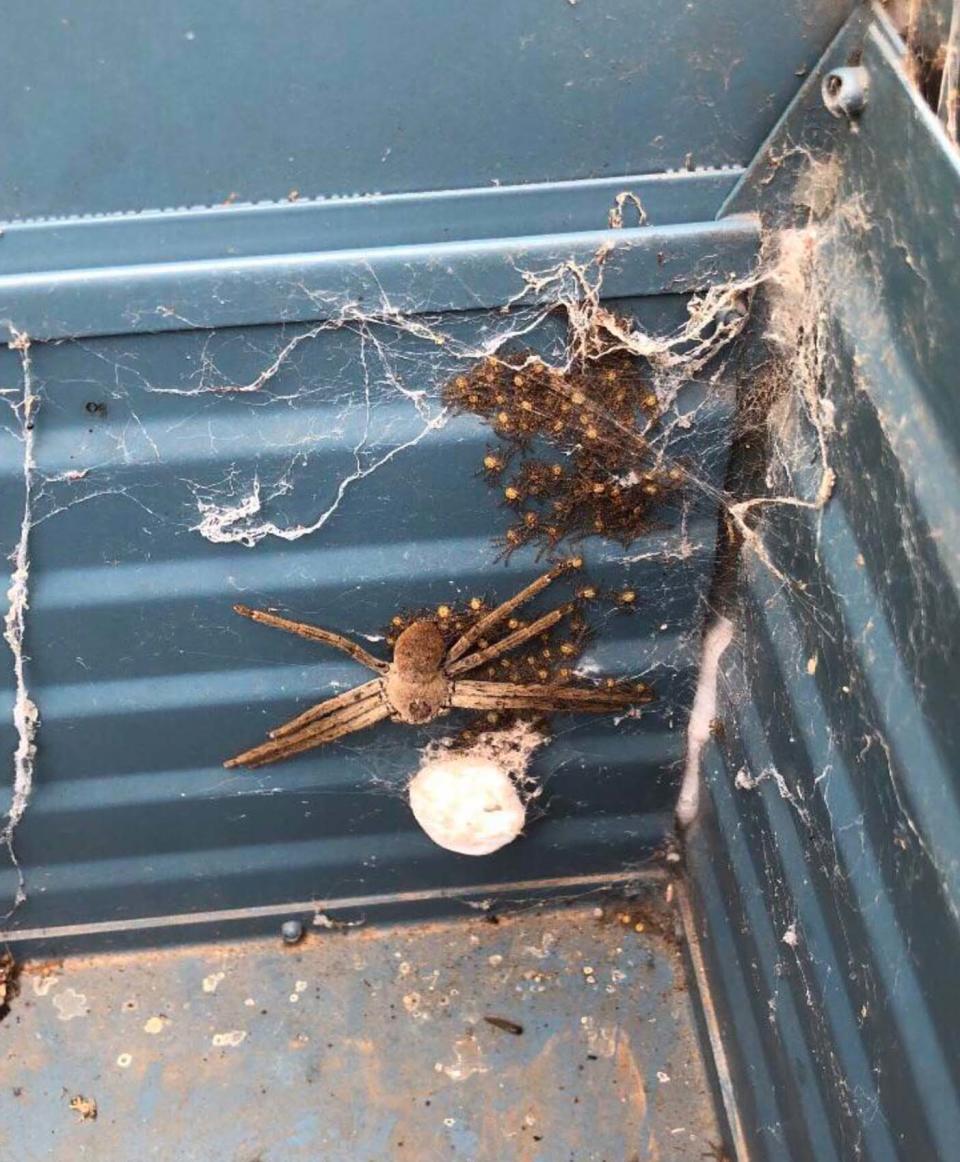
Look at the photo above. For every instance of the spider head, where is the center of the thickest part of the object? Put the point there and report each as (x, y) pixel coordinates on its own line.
(419, 650)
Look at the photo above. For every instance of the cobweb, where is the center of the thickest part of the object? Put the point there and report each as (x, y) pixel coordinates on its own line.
(254, 437)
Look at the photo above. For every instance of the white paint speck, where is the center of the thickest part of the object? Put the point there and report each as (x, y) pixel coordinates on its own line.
(70, 1004)
(124, 1060)
(210, 982)
(43, 984)
(662, 1077)
(300, 986)
(234, 1037)
(467, 1060)
(155, 1025)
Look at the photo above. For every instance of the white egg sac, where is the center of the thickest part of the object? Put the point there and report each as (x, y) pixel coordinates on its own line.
(467, 805)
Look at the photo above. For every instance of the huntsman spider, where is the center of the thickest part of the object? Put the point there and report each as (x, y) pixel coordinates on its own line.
(424, 679)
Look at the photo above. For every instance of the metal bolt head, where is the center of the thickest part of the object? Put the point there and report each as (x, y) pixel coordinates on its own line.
(291, 931)
(844, 91)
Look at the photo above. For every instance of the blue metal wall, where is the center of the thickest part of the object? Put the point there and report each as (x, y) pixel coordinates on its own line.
(121, 107)
(144, 678)
(826, 864)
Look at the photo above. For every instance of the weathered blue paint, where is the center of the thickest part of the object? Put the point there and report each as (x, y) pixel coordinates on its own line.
(825, 860)
(370, 1044)
(147, 680)
(127, 107)
(414, 278)
(834, 808)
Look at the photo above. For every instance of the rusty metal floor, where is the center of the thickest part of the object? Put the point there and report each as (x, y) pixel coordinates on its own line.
(368, 1044)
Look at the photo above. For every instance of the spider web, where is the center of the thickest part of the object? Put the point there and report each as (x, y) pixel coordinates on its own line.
(345, 410)
(336, 407)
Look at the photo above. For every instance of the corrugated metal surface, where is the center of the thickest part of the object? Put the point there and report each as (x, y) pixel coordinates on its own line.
(827, 865)
(144, 678)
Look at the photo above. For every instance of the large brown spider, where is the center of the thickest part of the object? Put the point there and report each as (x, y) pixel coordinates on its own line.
(423, 680)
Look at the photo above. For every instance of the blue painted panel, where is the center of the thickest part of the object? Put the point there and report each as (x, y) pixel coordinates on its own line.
(120, 106)
(147, 681)
(829, 847)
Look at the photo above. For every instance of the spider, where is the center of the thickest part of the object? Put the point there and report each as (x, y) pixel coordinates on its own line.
(424, 679)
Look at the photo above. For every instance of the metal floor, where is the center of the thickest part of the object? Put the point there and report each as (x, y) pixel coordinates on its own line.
(368, 1044)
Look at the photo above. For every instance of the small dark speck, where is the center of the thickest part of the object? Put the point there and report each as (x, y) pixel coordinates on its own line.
(95, 407)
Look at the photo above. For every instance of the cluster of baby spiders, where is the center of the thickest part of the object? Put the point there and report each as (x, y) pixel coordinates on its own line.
(591, 416)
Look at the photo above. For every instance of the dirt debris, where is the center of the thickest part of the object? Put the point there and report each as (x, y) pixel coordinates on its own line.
(505, 1024)
(9, 981)
(84, 1107)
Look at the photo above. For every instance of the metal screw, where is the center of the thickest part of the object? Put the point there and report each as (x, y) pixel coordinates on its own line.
(291, 931)
(844, 91)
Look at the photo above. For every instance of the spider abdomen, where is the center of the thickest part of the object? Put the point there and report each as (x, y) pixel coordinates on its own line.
(417, 689)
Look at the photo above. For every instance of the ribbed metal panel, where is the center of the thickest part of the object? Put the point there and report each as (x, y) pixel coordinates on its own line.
(828, 862)
(145, 678)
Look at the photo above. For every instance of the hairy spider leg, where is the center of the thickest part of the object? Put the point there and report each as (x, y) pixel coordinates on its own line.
(314, 633)
(489, 620)
(510, 642)
(324, 709)
(344, 721)
(471, 695)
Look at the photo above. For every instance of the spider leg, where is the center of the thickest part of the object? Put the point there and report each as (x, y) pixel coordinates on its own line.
(324, 709)
(510, 642)
(489, 620)
(314, 633)
(507, 696)
(341, 722)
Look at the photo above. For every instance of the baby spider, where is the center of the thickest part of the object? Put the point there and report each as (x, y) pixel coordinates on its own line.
(424, 679)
